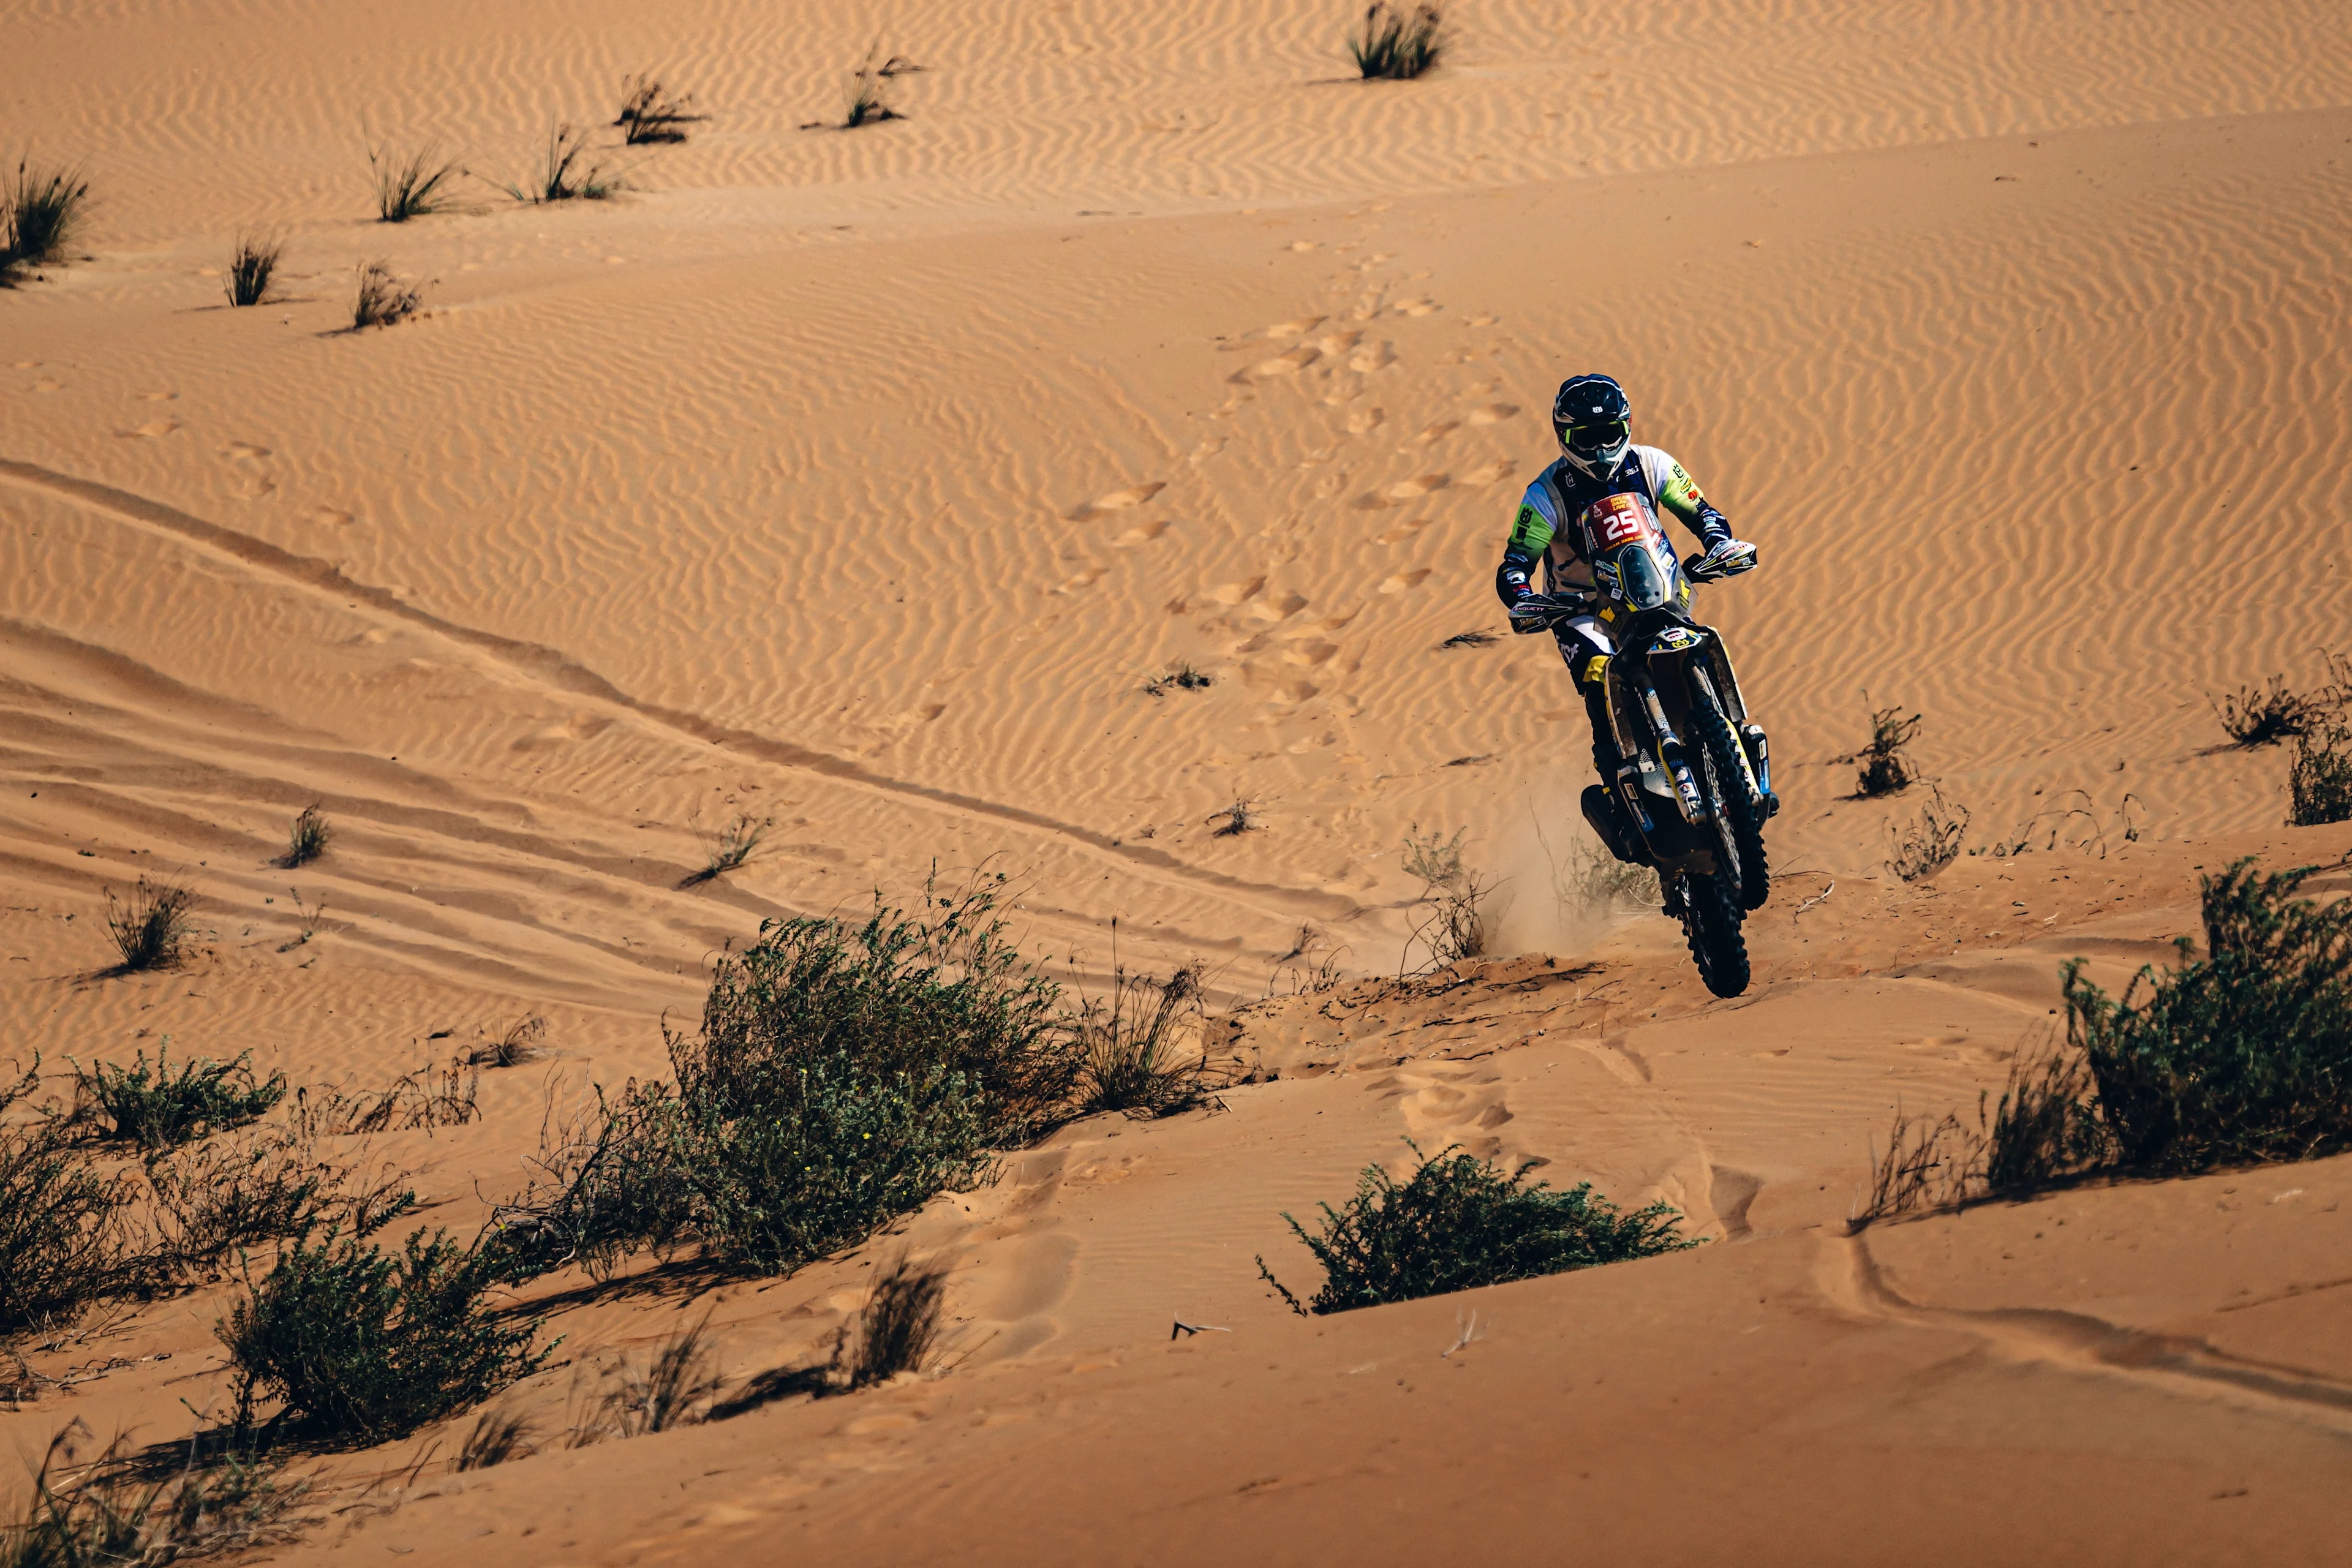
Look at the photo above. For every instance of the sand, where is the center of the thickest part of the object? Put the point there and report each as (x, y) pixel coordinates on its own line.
(858, 481)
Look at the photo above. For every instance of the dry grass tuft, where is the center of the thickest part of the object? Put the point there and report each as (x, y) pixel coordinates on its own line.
(566, 172)
(1395, 47)
(499, 1434)
(2319, 782)
(1139, 1047)
(1236, 819)
(865, 98)
(524, 1041)
(1181, 677)
(730, 847)
(899, 1327)
(649, 113)
(1925, 847)
(151, 927)
(1473, 639)
(40, 214)
(380, 300)
(1884, 769)
(307, 839)
(410, 187)
(250, 270)
(677, 1389)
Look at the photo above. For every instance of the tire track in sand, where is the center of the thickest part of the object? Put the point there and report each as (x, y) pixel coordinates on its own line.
(1849, 1278)
(551, 668)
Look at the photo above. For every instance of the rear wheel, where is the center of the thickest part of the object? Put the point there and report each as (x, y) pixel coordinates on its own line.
(1711, 919)
(1739, 814)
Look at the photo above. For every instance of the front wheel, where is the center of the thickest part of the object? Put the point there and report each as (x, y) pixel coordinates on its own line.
(1739, 808)
(1711, 920)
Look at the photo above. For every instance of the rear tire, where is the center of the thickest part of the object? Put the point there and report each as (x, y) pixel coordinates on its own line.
(1711, 919)
(1743, 811)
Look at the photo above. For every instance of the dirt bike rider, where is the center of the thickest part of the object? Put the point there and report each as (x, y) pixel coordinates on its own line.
(1592, 420)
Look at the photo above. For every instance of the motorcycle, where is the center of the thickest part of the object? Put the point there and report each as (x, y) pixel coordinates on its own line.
(1694, 788)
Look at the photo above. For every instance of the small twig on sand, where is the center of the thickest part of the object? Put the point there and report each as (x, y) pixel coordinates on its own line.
(1188, 1330)
(1469, 1334)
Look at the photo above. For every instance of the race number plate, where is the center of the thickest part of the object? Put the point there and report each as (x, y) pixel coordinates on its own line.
(1616, 520)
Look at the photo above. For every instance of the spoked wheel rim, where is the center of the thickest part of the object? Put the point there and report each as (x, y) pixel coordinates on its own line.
(1726, 843)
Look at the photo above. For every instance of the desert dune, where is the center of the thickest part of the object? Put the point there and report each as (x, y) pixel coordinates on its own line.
(853, 485)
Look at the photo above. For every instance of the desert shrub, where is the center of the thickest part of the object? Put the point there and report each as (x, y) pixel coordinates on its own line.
(2263, 715)
(40, 214)
(307, 837)
(566, 172)
(151, 926)
(64, 1242)
(1595, 882)
(1182, 676)
(1475, 637)
(109, 1514)
(1452, 924)
(156, 1108)
(2042, 1129)
(411, 186)
(650, 113)
(427, 1098)
(1139, 1058)
(380, 300)
(251, 268)
(2245, 1055)
(223, 1194)
(1394, 46)
(1932, 841)
(356, 1345)
(1236, 819)
(1884, 769)
(2319, 782)
(843, 1075)
(1458, 1223)
(730, 847)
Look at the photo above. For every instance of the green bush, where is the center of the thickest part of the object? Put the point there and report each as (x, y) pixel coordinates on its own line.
(844, 1074)
(355, 1345)
(2319, 781)
(62, 1231)
(2245, 1055)
(1459, 1223)
(157, 1109)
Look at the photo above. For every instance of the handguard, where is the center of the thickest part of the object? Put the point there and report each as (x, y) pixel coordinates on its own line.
(1541, 612)
(1727, 559)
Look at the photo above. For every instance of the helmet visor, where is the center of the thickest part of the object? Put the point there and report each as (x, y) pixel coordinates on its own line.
(1598, 440)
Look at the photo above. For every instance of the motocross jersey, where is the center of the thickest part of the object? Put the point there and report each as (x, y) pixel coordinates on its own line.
(1546, 527)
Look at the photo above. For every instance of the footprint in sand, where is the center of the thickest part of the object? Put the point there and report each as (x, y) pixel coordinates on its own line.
(1310, 654)
(154, 429)
(1484, 320)
(1304, 245)
(160, 396)
(253, 487)
(1208, 448)
(1431, 436)
(331, 516)
(1280, 608)
(1493, 414)
(48, 384)
(1118, 501)
(1289, 363)
(1295, 328)
(1418, 485)
(1338, 343)
(1404, 580)
(1086, 579)
(1421, 307)
(234, 451)
(1369, 358)
(1486, 473)
(1141, 534)
(1363, 419)
(1236, 593)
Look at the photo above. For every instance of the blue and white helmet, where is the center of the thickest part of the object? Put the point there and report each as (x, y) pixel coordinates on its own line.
(1594, 423)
